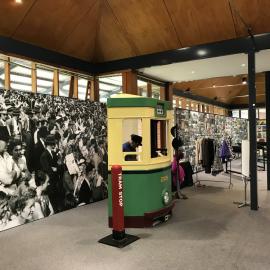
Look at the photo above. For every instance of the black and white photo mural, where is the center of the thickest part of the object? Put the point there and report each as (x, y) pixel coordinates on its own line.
(53, 155)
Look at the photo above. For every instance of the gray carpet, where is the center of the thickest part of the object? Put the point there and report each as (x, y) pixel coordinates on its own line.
(207, 231)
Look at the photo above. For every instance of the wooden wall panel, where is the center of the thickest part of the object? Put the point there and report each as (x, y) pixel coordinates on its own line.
(11, 15)
(255, 13)
(81, 41)
(50, 22)
(201, 21)
(111, 41)
(147, 24)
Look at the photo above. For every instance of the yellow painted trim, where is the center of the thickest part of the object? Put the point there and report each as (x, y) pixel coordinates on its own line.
(134, 112)
(143, 167)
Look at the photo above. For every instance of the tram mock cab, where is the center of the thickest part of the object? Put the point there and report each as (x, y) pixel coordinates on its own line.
(147, 177)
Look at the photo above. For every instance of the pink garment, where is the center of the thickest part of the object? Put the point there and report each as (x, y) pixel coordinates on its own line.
(181, 172)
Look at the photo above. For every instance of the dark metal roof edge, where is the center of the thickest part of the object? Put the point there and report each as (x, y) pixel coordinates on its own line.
(147, 78)
(215, 49)
(15, 47)
(181, 93)
(245, 106)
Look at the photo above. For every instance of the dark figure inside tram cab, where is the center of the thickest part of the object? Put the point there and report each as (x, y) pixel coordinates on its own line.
(131, 145)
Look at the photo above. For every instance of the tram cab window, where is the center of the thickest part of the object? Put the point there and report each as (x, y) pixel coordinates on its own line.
(158, 138)
(132, 140)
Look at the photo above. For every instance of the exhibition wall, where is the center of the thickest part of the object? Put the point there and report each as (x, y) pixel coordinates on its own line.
(53, 155)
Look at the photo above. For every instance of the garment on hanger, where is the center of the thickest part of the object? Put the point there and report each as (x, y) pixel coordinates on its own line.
(208, 154)
(225, 152)
(198, 151)
(180, 174)
(217, 166)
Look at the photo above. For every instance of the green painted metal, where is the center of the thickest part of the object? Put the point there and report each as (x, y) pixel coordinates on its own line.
(137, 102)
(143, 192)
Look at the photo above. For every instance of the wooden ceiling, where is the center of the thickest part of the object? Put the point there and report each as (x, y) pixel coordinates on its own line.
(104, 30)
(228, 90)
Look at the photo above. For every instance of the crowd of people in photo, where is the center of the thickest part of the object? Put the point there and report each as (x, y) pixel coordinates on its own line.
(53, 155)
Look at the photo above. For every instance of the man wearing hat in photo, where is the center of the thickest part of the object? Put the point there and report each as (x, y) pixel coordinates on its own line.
(13, 122)
(3, 117)
(48, 162)
(130, 146)
(40, 146)
(7, 174)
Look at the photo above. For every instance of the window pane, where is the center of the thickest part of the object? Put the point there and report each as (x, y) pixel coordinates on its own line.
(142, 87)
(109, 86)
(158, 138)
(82, 87)
(132, 127)
(235, 113)
(20, 75)
(44, 81)
(155, 91)
(262, 113)
(64, 84)
(244, 114)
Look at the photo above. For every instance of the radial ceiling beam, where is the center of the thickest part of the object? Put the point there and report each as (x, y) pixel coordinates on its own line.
(221, 48)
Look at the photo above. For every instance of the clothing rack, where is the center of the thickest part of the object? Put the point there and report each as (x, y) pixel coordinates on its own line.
(215, 181)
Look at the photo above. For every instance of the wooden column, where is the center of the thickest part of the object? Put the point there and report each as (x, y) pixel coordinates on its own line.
(129, 81)
(71, 87)
(55, 91)
(184, 103)
(149, 89)
(7, 73)
(169, 92)
(88, 90)
(75, 87)
(94, 92)
(34, 77)
(177, 102)
(162, 93)
(211, 109)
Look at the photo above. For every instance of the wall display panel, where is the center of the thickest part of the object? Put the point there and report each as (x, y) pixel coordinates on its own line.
(194, 125)
(53, 155)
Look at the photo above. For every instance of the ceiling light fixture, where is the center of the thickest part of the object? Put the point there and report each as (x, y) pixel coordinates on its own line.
(244, 80)
(243, 65)
(201, 52)
(192, 72)
(214, 86)
(18, 1)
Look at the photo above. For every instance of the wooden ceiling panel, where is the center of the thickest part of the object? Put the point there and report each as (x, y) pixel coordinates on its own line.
(147, 24)
(11, 14)
(111, 41)
(50, 22)
(81, 41)
(255, 13)
(224, 89)
(201, 21)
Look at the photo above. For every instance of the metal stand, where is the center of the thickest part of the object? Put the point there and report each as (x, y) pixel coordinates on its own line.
(245, 203)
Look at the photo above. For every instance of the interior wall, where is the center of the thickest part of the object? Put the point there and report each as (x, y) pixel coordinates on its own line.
(53, 155)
